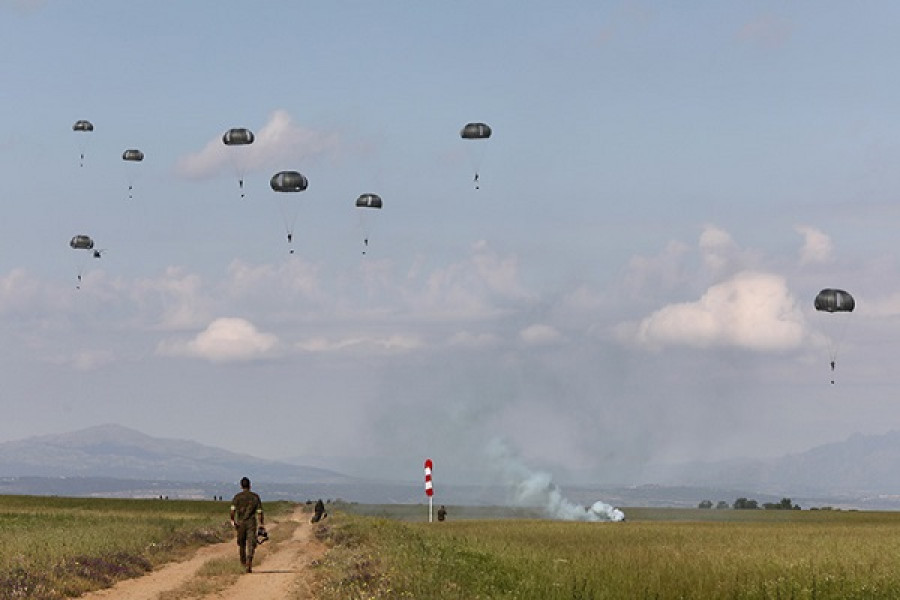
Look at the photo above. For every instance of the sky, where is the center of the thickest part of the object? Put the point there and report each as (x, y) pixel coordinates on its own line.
(666, 190)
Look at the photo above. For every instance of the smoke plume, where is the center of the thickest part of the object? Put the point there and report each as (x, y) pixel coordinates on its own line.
(536, 488)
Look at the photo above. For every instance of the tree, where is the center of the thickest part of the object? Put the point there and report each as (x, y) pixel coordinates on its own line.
(745, 504)
(705, 504)
(722, 505)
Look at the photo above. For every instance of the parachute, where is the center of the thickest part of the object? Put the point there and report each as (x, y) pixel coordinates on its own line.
(82, 242)
(85, 243)
(289, 182)
(835, 302)
(132, 156)
(831, 300)
(476, 131)
(366, 202)
(82, 126)
(238, 137)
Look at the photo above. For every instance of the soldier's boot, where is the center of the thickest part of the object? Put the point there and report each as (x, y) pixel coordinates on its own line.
(249, 565)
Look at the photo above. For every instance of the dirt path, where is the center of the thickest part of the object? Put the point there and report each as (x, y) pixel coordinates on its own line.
(280, 572)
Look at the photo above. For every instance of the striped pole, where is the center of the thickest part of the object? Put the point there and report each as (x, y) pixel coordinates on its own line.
(429, 489)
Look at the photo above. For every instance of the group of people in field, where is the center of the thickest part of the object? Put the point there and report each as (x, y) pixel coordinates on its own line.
(248, 520)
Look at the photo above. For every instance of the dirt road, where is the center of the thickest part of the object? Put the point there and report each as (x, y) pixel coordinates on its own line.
(280, 572)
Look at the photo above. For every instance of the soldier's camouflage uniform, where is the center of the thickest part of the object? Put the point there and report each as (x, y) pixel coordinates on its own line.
(246, 505)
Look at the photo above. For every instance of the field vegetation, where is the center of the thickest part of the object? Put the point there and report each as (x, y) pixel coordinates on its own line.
(656, 553)
(53, 548)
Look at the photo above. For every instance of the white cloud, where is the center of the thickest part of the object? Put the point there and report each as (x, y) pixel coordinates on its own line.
(717, 248)
(473, 340)
(394, 343)
(540, 335)
(817, 246)
(279, 141)
(24, 5)
(751, 310)
(176, 300)
(88, 360)
(766, 30)
(481, 286)
(664, 271)
(226, 339)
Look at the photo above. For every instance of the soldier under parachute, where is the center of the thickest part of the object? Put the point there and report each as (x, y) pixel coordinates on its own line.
(288, 182)
(475, 131)
(834, 301)
(238, 136)
(82, 242)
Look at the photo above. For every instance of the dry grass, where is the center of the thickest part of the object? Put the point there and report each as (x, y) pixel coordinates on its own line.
(53, 548)
(741, 555)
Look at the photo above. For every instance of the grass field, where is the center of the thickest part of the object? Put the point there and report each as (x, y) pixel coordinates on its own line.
(52, 548)
(656, 553)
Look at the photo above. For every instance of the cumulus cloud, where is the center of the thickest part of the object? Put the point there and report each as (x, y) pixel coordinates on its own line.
(177, 298)
(225, 340)
(483, 285)
(766, 30)
(751, 310)
(817, 246)
(717, 248)
(664, 271)
(24, 5)
(469, 339)
(392, 343)
(540, 335)
(279, 140)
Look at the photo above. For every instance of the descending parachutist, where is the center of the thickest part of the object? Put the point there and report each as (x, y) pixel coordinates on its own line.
(290, 237)
(241, 185)
(82, 160)
(476, 182)
(832, 365)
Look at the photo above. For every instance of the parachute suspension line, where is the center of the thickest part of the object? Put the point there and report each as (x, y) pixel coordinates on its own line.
(835, 346)
(290, 220)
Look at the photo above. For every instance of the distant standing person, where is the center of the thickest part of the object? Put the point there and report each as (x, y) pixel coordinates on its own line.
(442, 513)
(246, 507)
(319, 512)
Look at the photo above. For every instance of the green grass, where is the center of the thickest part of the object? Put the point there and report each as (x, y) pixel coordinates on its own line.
(54, 548)
(657, 554)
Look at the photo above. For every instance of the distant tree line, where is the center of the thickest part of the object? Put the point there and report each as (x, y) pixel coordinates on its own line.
(748, 504)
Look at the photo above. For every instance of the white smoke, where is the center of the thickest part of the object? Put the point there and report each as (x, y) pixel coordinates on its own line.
(536, 488)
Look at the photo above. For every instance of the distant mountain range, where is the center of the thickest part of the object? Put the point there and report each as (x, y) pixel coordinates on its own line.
(112, 460)
(862, 465)
(113, 451)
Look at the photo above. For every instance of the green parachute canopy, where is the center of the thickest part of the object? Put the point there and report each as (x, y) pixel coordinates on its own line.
(81, 242)
(82, 125)
(369, 201)
(133, 155)
(475, 131)
(833, 300)
(238, 137)
(288, 181)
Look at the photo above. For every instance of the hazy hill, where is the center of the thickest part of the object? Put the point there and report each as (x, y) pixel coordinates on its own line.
(113, 460)
(860, 465)
(113, 451)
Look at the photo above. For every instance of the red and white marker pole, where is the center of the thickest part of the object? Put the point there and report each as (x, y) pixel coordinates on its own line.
(429, 489)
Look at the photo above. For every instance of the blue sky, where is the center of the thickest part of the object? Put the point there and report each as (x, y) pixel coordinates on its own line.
(666, 190)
